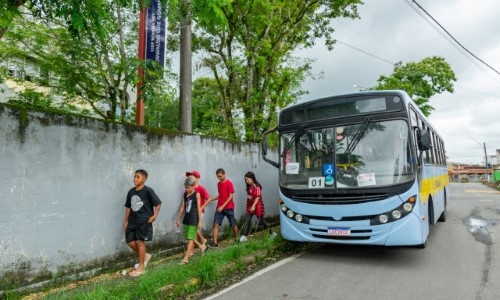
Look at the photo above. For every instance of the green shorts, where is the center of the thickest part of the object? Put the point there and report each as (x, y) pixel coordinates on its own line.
(190, 231)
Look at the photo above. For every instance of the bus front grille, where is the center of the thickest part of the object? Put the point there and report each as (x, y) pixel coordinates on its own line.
(348, 238)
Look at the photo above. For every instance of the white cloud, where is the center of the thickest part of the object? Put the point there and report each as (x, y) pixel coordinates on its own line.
(392, 30)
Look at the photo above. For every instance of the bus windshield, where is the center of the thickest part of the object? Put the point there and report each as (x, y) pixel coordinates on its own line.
(364, 155)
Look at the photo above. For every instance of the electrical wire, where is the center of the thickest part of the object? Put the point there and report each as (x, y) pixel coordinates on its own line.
(449, 36)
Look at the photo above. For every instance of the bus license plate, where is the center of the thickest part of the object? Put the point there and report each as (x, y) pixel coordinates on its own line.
(339, 231)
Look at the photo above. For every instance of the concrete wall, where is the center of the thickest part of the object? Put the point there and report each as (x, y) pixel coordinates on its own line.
(63, 182)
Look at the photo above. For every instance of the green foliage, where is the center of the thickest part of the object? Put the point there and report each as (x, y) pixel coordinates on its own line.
(32, 99)
(421, 80)
(208, 114)
(98, 65)
(161, 108)
(248, 46)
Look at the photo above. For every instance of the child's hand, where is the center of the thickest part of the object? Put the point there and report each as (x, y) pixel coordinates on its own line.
(199, 225)
(177, 223)
(124, 226)
(151, 219)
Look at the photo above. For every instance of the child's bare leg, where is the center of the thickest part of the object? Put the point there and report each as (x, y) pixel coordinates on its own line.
(235, 231)
(215, 232)
(190, 248)
(202, 239)
(198, 244)
(133, 245)
(141, 250)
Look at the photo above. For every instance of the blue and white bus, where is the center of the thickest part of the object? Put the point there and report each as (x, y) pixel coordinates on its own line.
(363, 168)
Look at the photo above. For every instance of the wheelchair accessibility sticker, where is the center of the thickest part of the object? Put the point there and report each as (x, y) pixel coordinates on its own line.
(328, 169)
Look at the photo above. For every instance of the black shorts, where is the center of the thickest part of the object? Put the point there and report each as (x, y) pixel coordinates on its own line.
(229, 213)
(140, 232)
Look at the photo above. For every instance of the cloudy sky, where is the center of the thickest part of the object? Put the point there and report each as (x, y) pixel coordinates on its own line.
(395, 30)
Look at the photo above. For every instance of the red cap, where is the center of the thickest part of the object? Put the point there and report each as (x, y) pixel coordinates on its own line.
(195, 173)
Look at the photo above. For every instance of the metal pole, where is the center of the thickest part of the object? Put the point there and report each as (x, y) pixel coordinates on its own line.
(185, 104)
(486, 162)
(139, 113)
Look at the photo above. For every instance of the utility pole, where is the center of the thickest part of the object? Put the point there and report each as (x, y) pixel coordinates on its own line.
(185, 103)
(486, 162)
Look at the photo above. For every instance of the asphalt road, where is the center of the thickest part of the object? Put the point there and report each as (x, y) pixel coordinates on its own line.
(461, 261)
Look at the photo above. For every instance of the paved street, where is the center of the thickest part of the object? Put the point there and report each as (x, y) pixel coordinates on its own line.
(461, 261)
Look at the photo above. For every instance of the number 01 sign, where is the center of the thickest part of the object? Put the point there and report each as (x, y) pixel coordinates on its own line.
(316, 182)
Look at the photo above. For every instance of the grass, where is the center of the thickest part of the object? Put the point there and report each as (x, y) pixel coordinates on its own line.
(165, 279)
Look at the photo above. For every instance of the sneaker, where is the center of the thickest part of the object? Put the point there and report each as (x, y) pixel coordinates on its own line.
(212, 245)
(243, 239)
(273, 235)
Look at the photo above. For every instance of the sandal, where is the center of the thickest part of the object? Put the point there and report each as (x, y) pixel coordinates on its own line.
(183, 263)
(135, 273)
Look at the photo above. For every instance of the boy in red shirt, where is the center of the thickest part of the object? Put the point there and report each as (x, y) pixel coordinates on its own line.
(225, 206)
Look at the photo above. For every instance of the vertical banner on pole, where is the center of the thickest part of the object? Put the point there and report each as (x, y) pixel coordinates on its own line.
(155, 33)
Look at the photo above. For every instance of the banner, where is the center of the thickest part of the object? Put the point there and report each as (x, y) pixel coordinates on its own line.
(155, 33)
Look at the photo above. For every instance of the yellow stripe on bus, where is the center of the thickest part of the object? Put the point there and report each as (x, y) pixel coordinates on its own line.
(432, 185)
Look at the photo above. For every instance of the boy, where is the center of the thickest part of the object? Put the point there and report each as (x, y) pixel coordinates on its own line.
(190, 208)
(225, 206)
(203, 197)
(142, 208)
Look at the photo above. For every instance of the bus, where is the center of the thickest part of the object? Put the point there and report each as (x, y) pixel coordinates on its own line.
(362, 168)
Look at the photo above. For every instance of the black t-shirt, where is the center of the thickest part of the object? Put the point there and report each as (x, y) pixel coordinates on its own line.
(190, 210)
(141, 204)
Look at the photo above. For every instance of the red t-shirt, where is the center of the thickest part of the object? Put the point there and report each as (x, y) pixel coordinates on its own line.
(203, 194)
(225, 188)
(254, 192)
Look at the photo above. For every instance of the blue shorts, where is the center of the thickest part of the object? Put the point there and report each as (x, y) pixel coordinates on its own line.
(229, 213)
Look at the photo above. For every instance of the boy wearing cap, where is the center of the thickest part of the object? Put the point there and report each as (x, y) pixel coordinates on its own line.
(203, 197)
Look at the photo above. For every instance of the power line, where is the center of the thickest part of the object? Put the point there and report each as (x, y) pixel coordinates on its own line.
(453, 38)
(367, 53)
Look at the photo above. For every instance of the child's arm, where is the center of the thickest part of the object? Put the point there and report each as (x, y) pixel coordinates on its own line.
(254, 203)
(181, 211)
(200, 225)
(208, 201)
(155, 215)
(125, 221)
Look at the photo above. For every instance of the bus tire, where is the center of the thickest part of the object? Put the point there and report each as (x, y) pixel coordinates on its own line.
(442, 217)
(423, 245)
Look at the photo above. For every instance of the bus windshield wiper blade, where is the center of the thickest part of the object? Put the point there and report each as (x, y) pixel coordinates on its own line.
(295, 136)
(358, 135)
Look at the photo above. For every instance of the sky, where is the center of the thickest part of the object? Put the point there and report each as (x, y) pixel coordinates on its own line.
(389, 31)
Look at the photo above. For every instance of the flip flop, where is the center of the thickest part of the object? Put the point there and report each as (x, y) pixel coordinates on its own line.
(135, 273)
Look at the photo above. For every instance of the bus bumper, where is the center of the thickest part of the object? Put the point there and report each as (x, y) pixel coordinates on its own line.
(406, 231)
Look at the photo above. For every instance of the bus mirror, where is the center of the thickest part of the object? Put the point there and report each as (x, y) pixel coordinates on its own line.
(264, 147)
(423, 139)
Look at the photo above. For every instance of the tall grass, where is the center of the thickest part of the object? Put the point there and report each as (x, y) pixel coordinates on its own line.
(171, 281)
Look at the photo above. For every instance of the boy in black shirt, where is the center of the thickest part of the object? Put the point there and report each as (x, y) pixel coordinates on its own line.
(142, 208)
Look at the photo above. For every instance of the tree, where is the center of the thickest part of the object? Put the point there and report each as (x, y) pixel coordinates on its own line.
(77, 15)
(248, 46)
(421, 80)
(99, 65)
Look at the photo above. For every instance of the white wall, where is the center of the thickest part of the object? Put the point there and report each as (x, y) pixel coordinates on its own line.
(63, 182)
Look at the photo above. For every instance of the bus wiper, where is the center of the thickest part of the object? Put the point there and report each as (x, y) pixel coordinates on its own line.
(295, 136)
(357, 136)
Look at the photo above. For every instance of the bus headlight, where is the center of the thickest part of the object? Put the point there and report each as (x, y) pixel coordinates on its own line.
(283, 207)
(383, 218)
(396, 214)
(289, 213)
(298, 218)
(407, 207)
